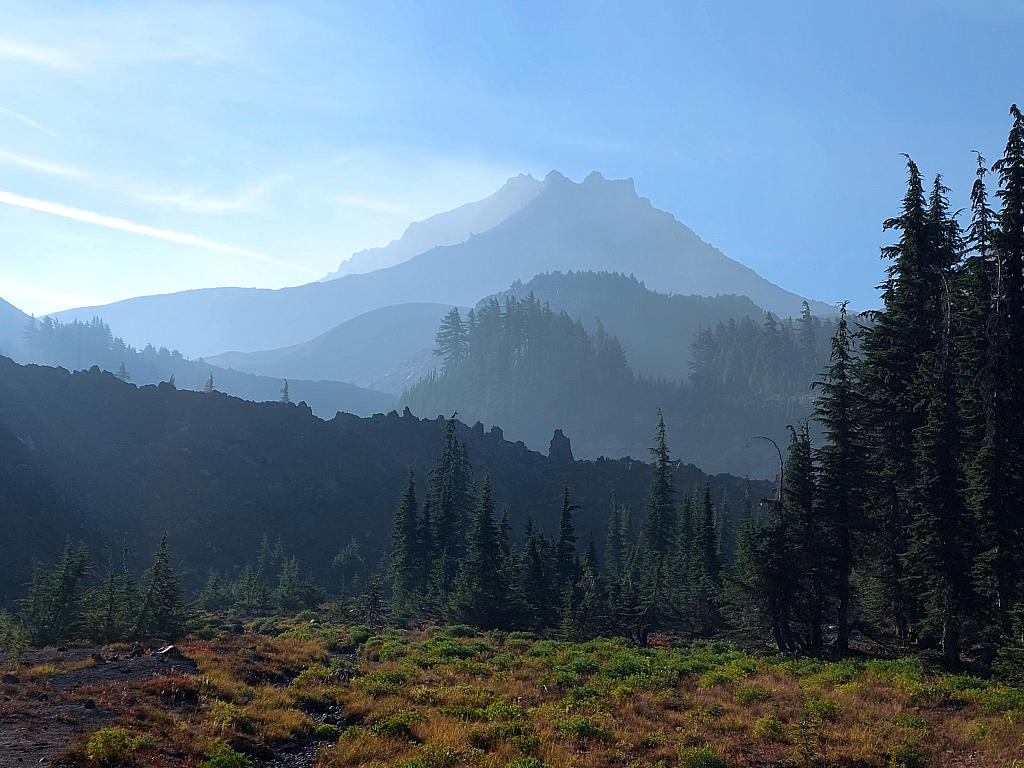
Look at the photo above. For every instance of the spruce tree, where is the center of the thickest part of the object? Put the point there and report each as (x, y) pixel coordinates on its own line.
(1002, 458)
(450, 504)
(53, 609)
(538, 579)
(405, 571)
(565, 549)
(706, 566)
(481, 592)
(162, 601)
(660, 525)
(841, 470)
(892, 349)
(452, 340)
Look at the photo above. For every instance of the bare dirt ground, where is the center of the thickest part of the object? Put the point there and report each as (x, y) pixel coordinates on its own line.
(61, 697)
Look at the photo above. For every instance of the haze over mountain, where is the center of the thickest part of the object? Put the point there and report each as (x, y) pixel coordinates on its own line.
(596, 224)
(12, 325)
(448, 228)
(367, 350)
(80, 346)
(655, 329)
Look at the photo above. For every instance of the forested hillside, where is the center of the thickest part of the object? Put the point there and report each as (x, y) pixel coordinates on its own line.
(520, 364)
(78, 345)
(98, 460)
(655, 329)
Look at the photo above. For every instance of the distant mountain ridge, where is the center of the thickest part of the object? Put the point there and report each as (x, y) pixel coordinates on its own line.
(592, 225)
(12, 325)
(448, 228)
(80, 346)
(367, 350)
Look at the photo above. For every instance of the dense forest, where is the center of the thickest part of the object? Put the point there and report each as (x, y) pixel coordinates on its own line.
(901, 525)
(518, 363)
(625, 307)
(108, 463)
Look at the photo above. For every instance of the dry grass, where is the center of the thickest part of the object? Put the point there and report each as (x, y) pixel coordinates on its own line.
(437, 698)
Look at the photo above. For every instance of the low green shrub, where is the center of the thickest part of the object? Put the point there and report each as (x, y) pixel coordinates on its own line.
(826, 710)
(582, 729)
(383, 683)
(750, 694)
(701, 757)
(906, 756)
(326, 731)
(220, 755)
(769, 728)
(110, 746)
(911, 722)
(397, 725)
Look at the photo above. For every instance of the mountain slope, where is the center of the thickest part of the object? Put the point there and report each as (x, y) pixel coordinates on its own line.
(448, 228)
(12, 326)
(366, 350)
(78, 346)
(98, 459)
(596, 224)
(655, 329)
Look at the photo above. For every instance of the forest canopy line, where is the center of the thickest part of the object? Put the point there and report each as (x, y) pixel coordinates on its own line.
(905, 519)
(899, 528)
(516, 362)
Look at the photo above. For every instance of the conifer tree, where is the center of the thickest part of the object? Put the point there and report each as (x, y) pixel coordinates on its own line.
(892, 349)
(285, 397)
(660, 525)
(112, 606)
(807, 540)
(707, 567)
(1002, 458)
(480, 593)
(162, 601)
(538, 579)
(405, 569)
(52, 611)
(565, 549)
(841, 470)
(450, 503)
(452, 340)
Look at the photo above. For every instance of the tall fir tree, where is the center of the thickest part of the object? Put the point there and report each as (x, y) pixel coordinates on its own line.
(660, 524)
(405, 567)
(162, 600)
(841, 468)
(480, 596)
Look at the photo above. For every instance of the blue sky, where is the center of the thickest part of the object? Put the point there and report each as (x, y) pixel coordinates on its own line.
(148, 147)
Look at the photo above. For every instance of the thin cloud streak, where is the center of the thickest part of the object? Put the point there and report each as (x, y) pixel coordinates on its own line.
(54, 58)
(26, 120)
(112, 222)
(193, 201)
(189, 201)
(43, 166)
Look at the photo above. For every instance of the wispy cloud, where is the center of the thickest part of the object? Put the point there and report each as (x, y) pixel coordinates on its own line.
(83, 37)
(112, 222)
(44, 166)
(26, 120)
(376, 204)
(188, 201)
(47, 56)
(198, 201)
